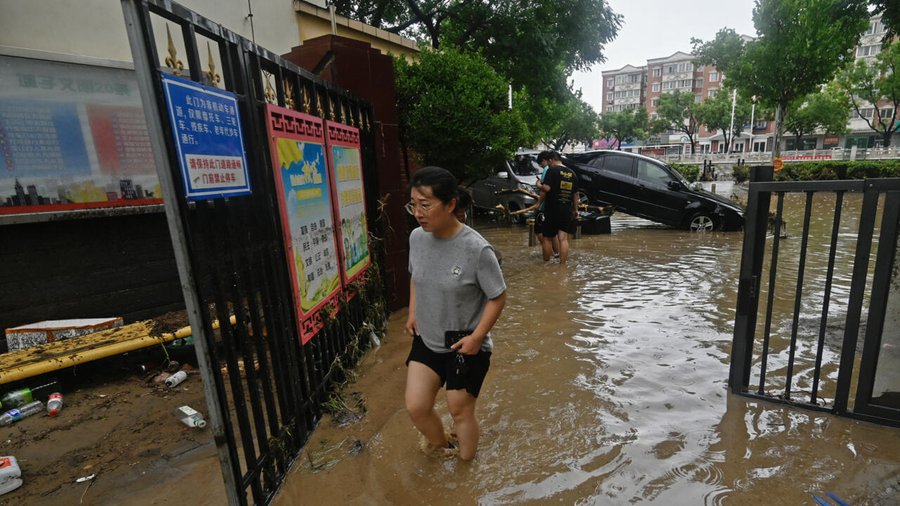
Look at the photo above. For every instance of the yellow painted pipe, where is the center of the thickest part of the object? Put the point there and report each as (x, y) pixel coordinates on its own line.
(69, 358)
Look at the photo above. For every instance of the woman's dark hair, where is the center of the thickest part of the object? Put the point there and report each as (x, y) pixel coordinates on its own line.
(441, 181)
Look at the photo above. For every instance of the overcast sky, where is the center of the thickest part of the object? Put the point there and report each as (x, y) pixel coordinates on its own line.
(658, 28)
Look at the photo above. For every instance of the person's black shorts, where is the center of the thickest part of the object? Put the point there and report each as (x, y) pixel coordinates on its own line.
(553, 224)
(470, 376)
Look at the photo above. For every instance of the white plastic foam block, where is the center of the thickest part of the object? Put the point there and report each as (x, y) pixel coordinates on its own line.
(49, 331)
(10, 475)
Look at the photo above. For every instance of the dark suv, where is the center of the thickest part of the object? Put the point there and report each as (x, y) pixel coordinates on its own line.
(645, 187)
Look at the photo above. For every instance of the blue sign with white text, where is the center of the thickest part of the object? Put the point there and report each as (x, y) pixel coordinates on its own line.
(207, 129)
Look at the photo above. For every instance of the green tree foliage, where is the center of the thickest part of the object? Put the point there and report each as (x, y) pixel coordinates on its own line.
(558, 123)
(824, 110)
(715, 113)
(867, 84)
(535, 44)
(624, 126)
(454, 113)
(678, 111)
(800, 45)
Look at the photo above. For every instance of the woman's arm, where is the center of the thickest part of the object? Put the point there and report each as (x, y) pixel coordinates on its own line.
(470, 344)
(411, 319)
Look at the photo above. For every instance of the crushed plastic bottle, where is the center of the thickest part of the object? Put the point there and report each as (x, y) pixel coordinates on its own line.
(190, 417)
(14, 415)
(54, 403)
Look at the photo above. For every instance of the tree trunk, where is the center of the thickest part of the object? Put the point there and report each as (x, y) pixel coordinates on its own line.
(886, 137)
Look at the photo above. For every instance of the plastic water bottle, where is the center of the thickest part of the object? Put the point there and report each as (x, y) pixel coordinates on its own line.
(176, 379)
(14, 415)
(54, 403)
(190, 417)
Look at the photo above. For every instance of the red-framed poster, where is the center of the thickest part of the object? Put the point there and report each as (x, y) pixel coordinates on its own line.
(297, 142)
(345, 163)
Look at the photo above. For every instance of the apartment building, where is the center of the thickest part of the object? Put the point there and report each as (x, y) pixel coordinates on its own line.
(679, 72)
(860, 134)
(624, 88)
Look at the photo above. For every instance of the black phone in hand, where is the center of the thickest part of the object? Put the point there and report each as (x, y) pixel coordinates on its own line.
(451, 337)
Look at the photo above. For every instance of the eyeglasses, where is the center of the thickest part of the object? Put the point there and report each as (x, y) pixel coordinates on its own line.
(412, 207)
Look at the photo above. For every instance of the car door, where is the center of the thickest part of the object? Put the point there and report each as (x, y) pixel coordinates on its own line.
(658, 194)
(615, 183)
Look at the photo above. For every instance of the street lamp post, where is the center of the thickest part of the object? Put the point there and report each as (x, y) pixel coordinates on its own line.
(752, 112)
(731, 130)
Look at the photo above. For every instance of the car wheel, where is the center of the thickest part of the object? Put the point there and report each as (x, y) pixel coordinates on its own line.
(701, 222)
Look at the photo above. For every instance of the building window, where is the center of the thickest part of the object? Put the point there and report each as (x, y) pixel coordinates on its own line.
(867, 112)
(761, 123)
(671, 69)
(886, 114)
(610, 83)
(657, 71)
(712, 93)
(698, 83)
(698, 98)
(865, 51)
(634, 78)
(713, 77)
(654, 102)
(655, 87)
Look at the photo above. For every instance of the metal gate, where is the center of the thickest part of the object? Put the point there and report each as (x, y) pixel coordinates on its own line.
(813, 359)
(265, 391)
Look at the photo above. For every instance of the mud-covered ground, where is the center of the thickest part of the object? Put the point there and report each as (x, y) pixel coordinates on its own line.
(119, 425)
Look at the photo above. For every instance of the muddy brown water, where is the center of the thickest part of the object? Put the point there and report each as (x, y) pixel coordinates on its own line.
(608, 386)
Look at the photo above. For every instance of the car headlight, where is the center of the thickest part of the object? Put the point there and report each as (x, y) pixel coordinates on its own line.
(527, 187)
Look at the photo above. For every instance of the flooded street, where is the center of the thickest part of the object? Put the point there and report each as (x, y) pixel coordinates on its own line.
(608, 385)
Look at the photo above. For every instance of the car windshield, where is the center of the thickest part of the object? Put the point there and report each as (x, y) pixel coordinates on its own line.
(524, 165)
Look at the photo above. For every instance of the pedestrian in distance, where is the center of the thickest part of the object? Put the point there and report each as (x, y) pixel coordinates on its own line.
(560, 210)
(457, 293)
(543, 160)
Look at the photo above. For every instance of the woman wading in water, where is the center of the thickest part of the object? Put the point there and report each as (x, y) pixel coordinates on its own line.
(456, 294)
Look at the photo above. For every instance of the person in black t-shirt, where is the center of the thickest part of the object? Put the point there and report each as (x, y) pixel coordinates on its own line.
(560, 186)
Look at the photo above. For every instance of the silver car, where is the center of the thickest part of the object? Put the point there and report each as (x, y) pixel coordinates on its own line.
(506, 185)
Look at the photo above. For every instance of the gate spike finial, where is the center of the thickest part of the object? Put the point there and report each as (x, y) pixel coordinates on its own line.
(288, 94)
(172, 60)
(269, 92)
(211, 75)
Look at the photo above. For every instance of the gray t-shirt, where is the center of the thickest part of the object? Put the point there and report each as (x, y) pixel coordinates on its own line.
(453, 279)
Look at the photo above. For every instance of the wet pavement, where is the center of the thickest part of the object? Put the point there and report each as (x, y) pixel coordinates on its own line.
(608, 386)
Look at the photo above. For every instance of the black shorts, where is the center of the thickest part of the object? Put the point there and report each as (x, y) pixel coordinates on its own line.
(469, 377)
(553, 224)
